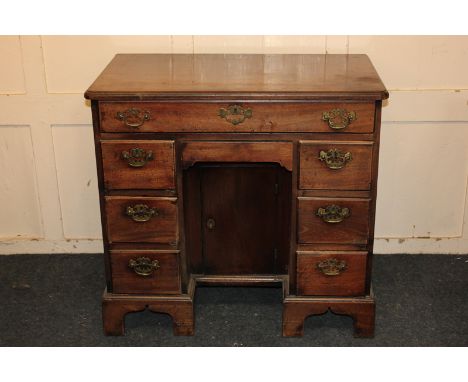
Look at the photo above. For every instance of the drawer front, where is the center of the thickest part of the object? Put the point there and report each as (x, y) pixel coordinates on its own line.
(145, 219)
(223, 151)
(329, 165)
(245, 117)
(145, 272)
(333, 220)
(138, 164)
(331, 273)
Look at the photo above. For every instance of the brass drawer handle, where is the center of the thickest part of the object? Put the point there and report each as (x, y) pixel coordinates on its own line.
(332, 267)
(338, 119)
(334, 158)
(333, 213)
(140, 212)
(235, 114)
(137, 157)
(133, 117)
(143, 266)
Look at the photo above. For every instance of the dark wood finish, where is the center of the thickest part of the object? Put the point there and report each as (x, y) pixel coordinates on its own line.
(243, 204)
(181, 244)
(204, 164)
(251, 232)
(296, 310)
(157, 173)
(139, 77)
(266, 118)
(116, 306)
(293, 217)
(100, 177)
(164, 280)
(375, 173)
(193, 219)
(141, 246)
(240, 136)
(243, 238)
(253, 152)
(331, 247)
(315, 174)
(352, 230)
(138, 193)
(161, 228)
(349, 282)
(240, 280)
(284, 200)
(335, 193)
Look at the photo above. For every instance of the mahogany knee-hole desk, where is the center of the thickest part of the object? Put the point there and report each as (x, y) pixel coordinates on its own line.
(238, 170)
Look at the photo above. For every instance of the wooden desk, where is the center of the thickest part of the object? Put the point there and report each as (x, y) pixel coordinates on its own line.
(238, 170)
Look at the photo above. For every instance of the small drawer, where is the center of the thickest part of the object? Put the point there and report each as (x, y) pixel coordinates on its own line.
(237, 117)
(331, 165)
(331, 273)
(141, 219)
(333, 220)
(145, 272)
(138, 164)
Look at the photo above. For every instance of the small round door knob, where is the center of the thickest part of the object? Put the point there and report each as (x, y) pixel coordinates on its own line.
(210, 223)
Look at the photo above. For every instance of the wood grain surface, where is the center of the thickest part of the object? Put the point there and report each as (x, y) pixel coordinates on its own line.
(243, 151)
(161, 228)
(355, 175)
(149, 76)
(237, 139)
(244, 202)
(352, 230)
(265, 117)
(158, 173)
(350, 282)
(164, 280)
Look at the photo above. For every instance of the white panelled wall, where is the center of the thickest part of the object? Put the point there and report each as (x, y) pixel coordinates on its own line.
(48, 185)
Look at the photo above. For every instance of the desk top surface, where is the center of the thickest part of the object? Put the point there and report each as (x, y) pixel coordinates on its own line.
(238, 76)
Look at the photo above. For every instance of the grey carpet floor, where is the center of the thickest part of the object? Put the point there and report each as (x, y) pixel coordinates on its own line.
(54, 300)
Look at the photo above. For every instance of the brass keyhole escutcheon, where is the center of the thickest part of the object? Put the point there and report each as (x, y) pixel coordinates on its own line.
(210, 223)
(235, 114)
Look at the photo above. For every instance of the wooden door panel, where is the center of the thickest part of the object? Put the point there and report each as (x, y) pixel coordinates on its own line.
(241, 203)
(249, 205)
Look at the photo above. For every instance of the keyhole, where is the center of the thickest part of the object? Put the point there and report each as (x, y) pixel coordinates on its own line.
(210, 223)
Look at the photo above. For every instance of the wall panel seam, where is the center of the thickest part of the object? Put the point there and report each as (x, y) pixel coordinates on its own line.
(20, 40)
(465, 210)
(44, 69)
(36, 182)
(56, 179)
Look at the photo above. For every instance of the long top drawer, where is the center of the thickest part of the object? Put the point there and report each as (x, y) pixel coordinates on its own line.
(236, 117)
